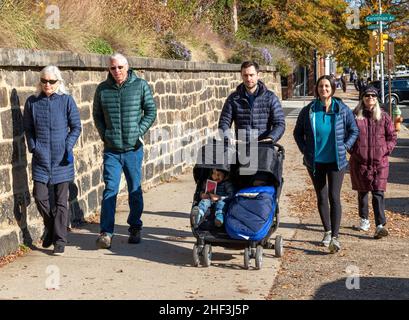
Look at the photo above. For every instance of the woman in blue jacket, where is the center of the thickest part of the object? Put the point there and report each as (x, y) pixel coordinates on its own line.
(324, 131)
(52, 126)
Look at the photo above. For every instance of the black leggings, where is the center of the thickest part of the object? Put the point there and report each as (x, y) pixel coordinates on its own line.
(330, 211)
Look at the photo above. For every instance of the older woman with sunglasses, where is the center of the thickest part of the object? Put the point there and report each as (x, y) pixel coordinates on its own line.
(52, 126)
(369, 166)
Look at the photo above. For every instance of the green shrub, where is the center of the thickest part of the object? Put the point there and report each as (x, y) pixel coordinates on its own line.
(99, 45)
(283, 67)
(210, 52)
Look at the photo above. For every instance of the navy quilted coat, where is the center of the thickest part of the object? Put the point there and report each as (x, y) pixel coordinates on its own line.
(346, 132)
(250, 213)
(52, 126)
(266, 115)
(369, 165)
(123, 114)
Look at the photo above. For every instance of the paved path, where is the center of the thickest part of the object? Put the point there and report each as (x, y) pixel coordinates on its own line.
(160, 267)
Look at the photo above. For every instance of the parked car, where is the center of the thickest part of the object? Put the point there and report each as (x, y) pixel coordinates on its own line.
(401, 69)
(399, 90)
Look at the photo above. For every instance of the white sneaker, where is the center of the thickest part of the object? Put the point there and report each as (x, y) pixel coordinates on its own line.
(334, 245)
(380, 232)
(327, 238)
(364, 224)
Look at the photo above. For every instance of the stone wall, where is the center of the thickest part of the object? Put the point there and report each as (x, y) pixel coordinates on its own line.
(189, 97)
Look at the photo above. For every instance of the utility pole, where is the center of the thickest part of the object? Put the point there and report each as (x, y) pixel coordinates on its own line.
(381, 55)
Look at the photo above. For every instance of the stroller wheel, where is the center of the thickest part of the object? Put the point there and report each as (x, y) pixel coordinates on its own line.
(278, 246)
(196, 260)
(259, 257)
(207, 255)
(246, 258)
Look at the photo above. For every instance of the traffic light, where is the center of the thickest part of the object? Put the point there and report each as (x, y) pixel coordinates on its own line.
(384, 41)
(373, 43)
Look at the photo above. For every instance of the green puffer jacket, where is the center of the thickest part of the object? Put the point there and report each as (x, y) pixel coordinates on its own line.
(123, 114)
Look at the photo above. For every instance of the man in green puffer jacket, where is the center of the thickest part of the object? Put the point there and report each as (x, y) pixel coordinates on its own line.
(123, 112)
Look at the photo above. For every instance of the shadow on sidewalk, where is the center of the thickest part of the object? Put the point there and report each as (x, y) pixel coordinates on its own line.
(367, 288)
(159, 244)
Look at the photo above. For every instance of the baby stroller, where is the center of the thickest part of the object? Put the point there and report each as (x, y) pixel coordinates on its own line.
(270, 163)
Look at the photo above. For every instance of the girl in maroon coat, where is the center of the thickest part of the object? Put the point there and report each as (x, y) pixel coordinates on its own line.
(369, 166)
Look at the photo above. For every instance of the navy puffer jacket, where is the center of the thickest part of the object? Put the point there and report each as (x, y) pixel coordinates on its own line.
(346, 132)
(52, 126)
(266, 115)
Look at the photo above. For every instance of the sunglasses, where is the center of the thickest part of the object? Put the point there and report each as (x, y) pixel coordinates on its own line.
(370, 95)
(49, 81)
(118, 67)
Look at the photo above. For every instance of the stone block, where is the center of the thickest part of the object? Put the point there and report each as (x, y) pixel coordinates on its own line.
(170, 117)
(12, 123)
(4, 98)
(5, 183)
(6, 153)
(172, 102)
(68, 77)
(162, 117)
(85, 184)
(96, 177)
(93, 202)
(7, 211)
(159, 87)
(149, 171)
(13, 79)
(89, 133)
(85, 112)
(157, 102)
(23, 95)
(32, 78)
(8, 243)
(81, 76)
(88, 92)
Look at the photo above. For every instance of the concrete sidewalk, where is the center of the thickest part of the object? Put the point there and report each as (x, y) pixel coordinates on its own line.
(160, 267)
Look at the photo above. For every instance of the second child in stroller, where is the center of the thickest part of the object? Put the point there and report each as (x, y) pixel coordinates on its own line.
(214, 192)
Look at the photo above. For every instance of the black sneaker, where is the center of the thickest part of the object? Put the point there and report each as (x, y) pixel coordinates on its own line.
(58, 250)
(47, 238)
(134, 236)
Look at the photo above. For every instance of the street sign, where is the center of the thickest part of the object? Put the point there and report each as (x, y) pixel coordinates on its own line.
(377, 26)
(386, 17)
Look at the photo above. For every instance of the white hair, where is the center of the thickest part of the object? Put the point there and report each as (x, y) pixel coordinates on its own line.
(119, 57)
(376, 112)
(57, 73)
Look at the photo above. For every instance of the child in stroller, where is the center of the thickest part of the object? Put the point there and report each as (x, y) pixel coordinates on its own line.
(223, 190)
(265, 179)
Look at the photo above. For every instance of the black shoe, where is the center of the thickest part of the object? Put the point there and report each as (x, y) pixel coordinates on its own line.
(47, 238)
(134, 236)
(58, 250)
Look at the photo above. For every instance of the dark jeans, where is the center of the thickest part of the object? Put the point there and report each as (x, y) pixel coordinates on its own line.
(328, 194)
(56, 220)
(130, 163)
(378, 205)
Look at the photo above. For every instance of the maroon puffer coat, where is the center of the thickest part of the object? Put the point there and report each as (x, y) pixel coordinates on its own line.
(369, 165)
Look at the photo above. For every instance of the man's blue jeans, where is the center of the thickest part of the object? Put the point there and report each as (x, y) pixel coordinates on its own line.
(130, 163)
